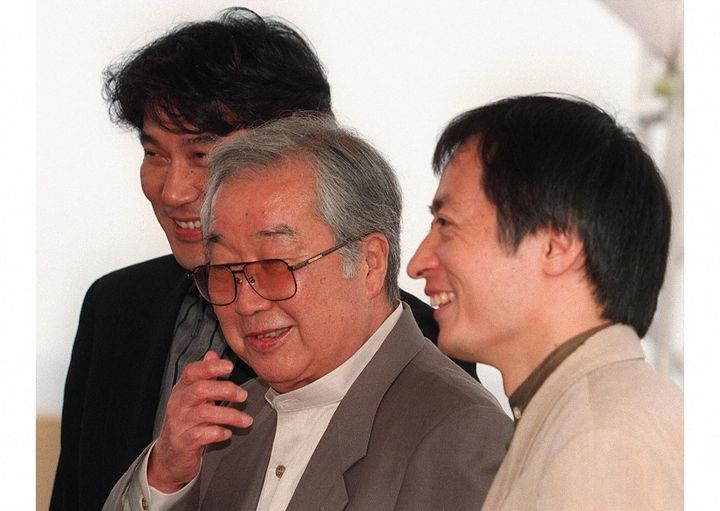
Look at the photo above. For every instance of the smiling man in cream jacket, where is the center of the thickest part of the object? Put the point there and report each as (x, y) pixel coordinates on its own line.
(546, 255)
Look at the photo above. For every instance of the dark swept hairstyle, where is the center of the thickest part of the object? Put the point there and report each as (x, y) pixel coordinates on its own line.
(238, 71)
(563, 163)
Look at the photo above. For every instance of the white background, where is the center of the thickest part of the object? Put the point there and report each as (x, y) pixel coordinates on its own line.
(398, 72)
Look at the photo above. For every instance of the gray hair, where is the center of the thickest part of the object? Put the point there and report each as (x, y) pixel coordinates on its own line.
(357, 190)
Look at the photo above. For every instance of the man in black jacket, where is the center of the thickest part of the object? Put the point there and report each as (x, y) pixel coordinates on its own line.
(140, 326)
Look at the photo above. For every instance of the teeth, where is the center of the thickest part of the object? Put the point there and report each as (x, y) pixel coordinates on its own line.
(270, 335)
(189, 225)
(442, 298)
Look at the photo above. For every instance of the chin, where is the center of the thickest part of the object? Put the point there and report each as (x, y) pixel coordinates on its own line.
(452, 345)
(188, 259)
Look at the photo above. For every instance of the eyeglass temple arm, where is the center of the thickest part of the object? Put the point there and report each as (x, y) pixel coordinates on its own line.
(322, 254)
(297, 266)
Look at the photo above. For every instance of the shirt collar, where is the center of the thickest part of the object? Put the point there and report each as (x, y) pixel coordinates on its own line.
(527, 389)
(332, 387)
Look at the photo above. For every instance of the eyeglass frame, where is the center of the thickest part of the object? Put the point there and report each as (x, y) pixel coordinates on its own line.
(291, 268)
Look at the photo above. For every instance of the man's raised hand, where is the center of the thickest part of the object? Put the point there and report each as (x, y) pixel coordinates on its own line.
(193, 421)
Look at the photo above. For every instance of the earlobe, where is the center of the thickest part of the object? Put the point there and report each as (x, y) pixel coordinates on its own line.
(375, 256)
(562, 252)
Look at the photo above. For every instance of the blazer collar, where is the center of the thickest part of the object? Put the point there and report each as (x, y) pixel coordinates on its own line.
(346, 439)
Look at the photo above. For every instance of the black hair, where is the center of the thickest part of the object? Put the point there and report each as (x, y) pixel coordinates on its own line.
(238, 71)
(563, 163)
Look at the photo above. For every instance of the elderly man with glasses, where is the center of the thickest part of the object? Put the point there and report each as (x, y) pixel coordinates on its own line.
(352, 408)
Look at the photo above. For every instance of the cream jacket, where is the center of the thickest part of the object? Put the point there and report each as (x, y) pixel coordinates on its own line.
(604, 432)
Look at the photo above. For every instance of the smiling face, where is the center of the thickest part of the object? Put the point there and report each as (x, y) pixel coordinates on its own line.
(173, 176)
(293, 342)
(484, 295)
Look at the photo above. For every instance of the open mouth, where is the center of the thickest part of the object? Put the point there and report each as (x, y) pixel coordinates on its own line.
(193, 224)
(271, 334)
(187, 230)
(266, 340)
(442, 298)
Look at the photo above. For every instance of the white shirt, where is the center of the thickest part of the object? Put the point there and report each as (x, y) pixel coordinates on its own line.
(302, 418)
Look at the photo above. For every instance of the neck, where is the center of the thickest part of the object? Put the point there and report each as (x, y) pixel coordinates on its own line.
(522, 357)
(372, 320)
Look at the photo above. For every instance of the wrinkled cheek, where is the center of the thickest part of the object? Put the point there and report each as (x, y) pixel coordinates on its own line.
(230, 331)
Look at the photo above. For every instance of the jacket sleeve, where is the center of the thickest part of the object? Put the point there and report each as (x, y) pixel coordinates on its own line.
(455, 463)
(129, 493)
(65, 488)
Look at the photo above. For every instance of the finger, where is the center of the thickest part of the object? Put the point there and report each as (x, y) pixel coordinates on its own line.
(213, 390)
(205, 370)
(223, 416)
(184, 398)
(211, 355)
(196, 439)
(187, 438)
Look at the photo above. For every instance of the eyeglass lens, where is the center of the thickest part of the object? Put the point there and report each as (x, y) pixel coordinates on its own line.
(271, 279)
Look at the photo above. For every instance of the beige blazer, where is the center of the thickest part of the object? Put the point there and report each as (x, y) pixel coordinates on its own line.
(604, 432)
(414, 432)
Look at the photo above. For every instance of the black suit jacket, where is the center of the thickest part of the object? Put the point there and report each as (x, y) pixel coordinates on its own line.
(113, 382)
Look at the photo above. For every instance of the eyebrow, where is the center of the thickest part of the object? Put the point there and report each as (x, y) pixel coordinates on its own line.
(279, 230)
(144, 137)
(202, 138)
(437, 204)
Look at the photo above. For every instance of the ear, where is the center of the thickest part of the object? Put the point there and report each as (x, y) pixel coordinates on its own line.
(562, 252)
(375, 249)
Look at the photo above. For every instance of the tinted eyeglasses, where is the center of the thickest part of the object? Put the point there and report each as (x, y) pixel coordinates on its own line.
(272, 279)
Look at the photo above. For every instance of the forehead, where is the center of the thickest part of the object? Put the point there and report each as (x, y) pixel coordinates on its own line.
(460, 186)
(164, 131)
(281, 198)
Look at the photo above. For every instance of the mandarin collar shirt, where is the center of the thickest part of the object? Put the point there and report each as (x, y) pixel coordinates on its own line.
(303, 416)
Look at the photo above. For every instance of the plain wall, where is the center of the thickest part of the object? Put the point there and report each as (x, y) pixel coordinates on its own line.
(398, 71)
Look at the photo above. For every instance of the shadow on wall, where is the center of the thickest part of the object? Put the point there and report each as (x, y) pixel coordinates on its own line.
(47, 449)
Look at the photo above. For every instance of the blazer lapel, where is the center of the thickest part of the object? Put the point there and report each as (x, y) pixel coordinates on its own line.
(345, 441)
(233, 483)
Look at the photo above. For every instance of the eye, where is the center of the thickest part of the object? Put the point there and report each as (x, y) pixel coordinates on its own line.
(441, 221)
(152, 157)
(199, 158)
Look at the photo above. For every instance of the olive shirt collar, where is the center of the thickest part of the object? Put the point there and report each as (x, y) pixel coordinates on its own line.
(527, 389)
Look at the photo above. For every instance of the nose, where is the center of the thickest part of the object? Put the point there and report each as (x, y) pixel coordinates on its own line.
(183, 184)
(247, 301)
(424, 258)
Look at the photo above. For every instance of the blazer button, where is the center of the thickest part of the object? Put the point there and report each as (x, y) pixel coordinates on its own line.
(279, 471)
